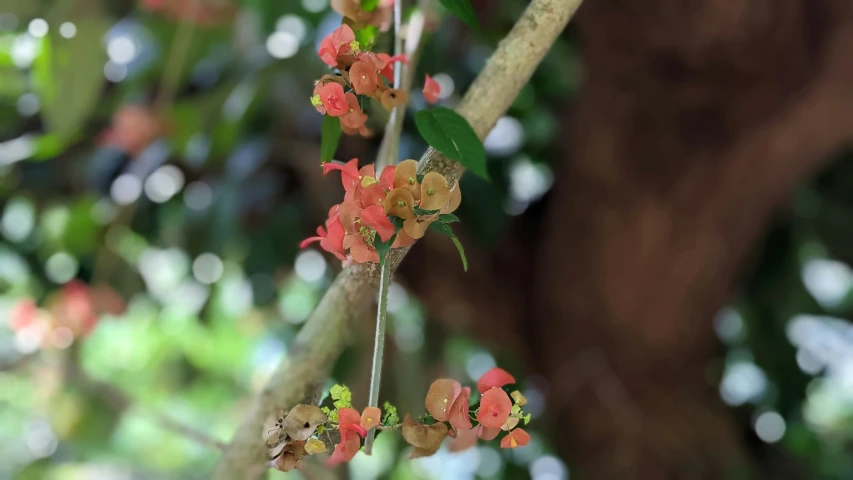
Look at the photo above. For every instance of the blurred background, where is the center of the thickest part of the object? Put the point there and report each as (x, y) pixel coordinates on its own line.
(662, 257)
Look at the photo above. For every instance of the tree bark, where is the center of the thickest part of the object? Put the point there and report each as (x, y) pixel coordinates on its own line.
(696, 120)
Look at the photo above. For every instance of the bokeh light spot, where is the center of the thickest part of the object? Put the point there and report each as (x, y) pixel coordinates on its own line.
(207, 268)
(770, 427)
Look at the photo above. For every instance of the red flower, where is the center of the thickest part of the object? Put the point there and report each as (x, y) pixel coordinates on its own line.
(335, 45)
(387, 69)
(494, 378)
(350, 429)
(334, 100)
(431, 90)
(331, 241)
(458, 414)
(349, 172)
(353, 117)
(386, 180)
(495, 406)
(516, 438)
(374, 216)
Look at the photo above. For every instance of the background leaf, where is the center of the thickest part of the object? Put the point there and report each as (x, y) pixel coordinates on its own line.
(450, 134)
(330, 136)
(463, 10)
(79, 62)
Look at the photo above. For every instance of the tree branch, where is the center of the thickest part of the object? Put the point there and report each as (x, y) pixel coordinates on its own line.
(325, 334)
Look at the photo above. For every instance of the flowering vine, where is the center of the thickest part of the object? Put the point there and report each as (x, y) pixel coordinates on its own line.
(340, 428)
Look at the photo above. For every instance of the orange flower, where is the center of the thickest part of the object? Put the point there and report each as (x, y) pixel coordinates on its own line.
(406, 176)
(350, 429)
(393, 97)
(516, 438)
(417, 227)
(425, 438)
(399, 203)
(486, 433)
(454, 200)
(331, 241)
(440, 397)
(359, 250)
(354, 117)
(370, 417)
(431, 90)
(363, 77)
(495, 406)
(434, 191)
(494, 378)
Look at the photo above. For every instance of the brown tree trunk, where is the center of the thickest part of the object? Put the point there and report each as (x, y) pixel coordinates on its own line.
(696, 120)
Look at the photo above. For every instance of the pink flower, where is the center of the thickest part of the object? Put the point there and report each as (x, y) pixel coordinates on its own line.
(386, 180)
(516, 438)
(23, 314)
(374, 217)
(431, 90)
(494, 378)
(353, 117)
(336, 44)
(318, 87)
(334, 100)
(363, 77)
(486, 433)
(458, 414)
(464, 440)
(495, 406)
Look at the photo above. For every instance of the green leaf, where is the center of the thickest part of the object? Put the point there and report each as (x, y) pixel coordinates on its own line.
(382, 248)
(68, 76)
(450, 134)
(448, 218)
(366, 37)
(330, 135)
(420, 178)
(444, 229)
(369, 5)
(421, 212)
(463, 10)
(397, 222)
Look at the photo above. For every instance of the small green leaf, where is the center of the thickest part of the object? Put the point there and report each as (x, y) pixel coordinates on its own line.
(463, 10)
(448, 218)
(450, 134)
(366, 37)
(444, 229)
(397, 222)
(330, 135)
(421, 212)
(382, 248)
(369, 5)
(420, 178)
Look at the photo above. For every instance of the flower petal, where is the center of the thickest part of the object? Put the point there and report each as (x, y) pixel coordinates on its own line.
(374, 216)
(458, 414)
(495, 407)
(314, 445)
(516, 438)
(486, 433)
(370, 417)
(441, 396)
(464, 440)
(432, 90)
(425, 437)
(496, 377)
(348, 416)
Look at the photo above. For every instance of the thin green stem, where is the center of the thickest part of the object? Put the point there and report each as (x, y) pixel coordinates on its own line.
(379, 346)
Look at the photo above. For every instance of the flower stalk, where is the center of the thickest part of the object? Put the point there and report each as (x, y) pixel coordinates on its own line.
(378, 346)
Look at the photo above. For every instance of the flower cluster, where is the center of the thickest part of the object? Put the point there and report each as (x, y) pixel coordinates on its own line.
(450, 414)
(379, 15)
(363, 75)
(72, 312)
(396, 208)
